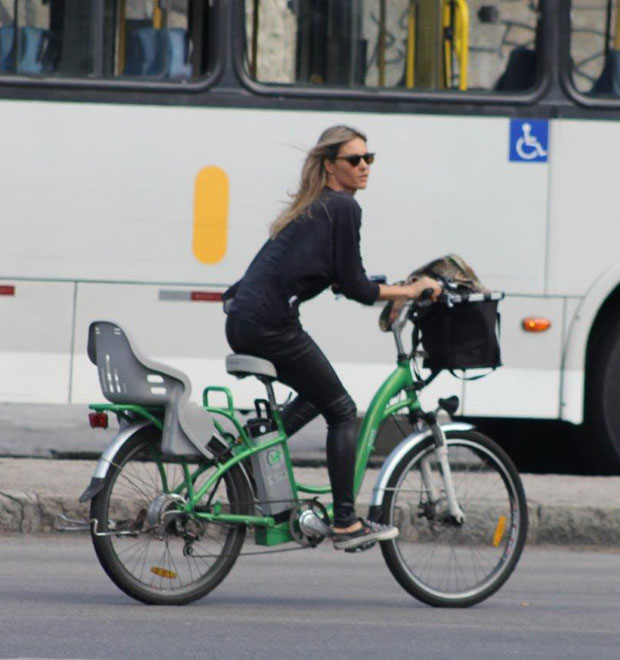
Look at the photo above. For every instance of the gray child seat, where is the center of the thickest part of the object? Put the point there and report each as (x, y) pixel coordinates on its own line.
(126, 376)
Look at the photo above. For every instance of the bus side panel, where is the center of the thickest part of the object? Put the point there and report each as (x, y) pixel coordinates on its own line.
(446, 184)
(166, 325)
(528, 385)
(584, 199)
(123, 191)
(35, 341)
(124, 188)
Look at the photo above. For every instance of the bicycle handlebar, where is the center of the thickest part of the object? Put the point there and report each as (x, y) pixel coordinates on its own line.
(451, 298)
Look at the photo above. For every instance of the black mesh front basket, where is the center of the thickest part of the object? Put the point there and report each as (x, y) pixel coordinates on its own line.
(463, 335)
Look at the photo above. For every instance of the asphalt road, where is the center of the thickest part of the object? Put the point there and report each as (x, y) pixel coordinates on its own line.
(56, 602)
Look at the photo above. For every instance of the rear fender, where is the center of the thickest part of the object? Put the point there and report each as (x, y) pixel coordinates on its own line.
(125, 433)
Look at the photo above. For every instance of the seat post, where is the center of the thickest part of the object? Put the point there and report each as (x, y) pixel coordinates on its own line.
(270, 393)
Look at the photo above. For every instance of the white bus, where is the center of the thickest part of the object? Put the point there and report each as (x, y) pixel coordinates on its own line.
(146, 146)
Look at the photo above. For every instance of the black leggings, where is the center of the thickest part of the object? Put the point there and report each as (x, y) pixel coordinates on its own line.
(301, 365)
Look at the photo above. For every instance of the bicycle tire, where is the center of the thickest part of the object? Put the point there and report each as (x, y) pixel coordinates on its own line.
(150, 564)
(434, 559)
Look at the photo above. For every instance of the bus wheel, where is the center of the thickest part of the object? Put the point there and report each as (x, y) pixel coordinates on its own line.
(601, 441)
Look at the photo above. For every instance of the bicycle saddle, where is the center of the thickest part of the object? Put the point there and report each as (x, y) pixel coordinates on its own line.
(241, 366)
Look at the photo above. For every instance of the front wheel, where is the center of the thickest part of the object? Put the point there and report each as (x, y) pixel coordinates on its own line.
(436, 559)
(149, 548)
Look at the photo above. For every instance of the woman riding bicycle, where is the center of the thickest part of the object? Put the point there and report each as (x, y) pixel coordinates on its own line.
(314, 244)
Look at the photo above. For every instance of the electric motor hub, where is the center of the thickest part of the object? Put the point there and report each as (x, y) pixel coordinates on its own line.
(163, 511)
(309, 523)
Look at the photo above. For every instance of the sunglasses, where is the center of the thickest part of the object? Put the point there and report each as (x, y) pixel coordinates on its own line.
(355, 159)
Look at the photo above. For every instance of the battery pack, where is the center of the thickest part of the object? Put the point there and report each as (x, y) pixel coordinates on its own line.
(271, 477)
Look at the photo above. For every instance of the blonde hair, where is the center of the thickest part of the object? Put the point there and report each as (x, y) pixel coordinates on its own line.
(313, 174)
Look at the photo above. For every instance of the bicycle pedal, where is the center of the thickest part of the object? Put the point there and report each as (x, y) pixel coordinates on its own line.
(363, 547)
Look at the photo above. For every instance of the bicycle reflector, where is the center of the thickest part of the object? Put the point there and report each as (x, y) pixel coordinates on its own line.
(499, 531)
(98, 420)
(535, 324)
(163, 572)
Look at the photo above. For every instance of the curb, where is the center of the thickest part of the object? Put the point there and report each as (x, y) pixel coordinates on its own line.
(563, 510)
(32, 513)
(571, 525)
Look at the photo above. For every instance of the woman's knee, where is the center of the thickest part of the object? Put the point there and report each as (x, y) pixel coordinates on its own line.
(340, 411)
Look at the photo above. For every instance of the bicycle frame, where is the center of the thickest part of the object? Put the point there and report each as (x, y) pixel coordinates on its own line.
(398, 392)
(400, 383)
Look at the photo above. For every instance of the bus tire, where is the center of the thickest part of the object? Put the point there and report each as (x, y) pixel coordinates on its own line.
(601, 430)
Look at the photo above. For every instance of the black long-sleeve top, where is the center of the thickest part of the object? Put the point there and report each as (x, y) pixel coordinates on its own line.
(318, 249)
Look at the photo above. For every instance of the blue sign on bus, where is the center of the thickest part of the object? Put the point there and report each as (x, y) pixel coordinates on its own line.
(529, 140)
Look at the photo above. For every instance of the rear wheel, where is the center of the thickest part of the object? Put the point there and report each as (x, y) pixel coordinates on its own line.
(437, 560)
(149, 549)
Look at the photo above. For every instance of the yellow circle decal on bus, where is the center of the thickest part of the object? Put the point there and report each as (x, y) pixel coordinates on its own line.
(210, 236)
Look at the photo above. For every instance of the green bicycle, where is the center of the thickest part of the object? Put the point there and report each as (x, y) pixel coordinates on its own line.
(175, 492)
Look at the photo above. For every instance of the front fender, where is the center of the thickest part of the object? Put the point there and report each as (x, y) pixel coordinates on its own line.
(125, 433)
(398, 453)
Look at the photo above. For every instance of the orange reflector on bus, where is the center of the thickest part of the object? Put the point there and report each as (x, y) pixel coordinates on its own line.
(210, 215)
(499, 531)
(535, 324)
(163, 572)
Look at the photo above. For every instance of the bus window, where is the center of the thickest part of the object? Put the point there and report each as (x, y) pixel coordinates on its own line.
(154, 40)
(7, 37)
(595, 47)
(26, 46)
(428, 45)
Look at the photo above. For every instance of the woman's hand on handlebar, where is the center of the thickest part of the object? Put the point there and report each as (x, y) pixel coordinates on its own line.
(426, 288)
(411, 291)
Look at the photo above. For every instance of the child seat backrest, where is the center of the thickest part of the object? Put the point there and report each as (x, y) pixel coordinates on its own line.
(127, 377)
(123, 376)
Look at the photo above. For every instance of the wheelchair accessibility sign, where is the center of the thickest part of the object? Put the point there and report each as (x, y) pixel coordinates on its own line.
(529, 140)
